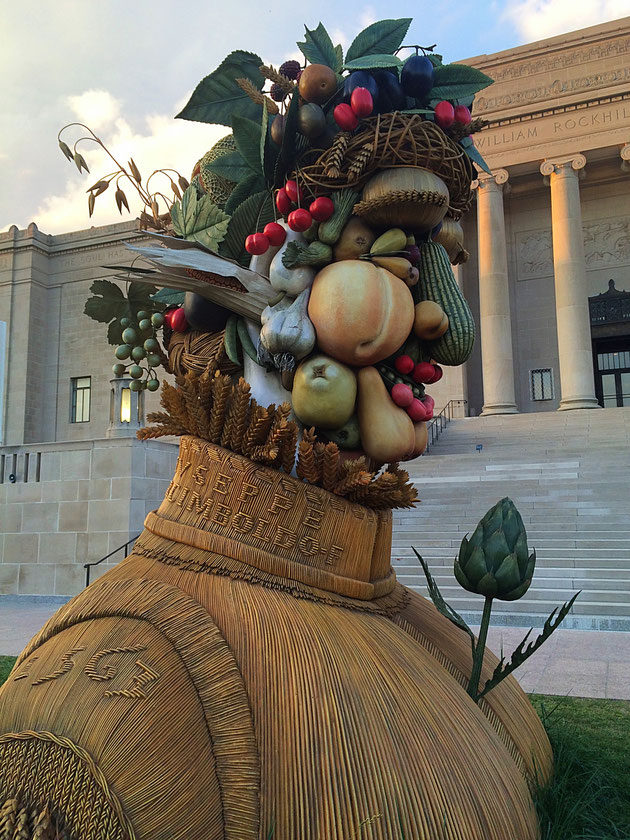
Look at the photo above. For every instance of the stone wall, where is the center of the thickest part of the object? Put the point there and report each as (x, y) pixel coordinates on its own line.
(73, 503)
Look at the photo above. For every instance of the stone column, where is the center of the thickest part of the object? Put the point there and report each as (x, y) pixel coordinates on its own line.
(577, 385)
(625, 158)
(494, 298)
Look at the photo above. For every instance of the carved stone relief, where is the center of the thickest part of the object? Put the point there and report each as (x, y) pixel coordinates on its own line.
(606, 244)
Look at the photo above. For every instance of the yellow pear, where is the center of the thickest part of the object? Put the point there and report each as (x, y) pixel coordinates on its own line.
(387, 431)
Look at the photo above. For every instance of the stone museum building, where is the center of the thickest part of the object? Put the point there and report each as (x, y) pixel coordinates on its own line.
(548, 280)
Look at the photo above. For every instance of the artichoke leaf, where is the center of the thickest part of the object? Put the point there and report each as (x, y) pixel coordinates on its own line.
(461, 578)
(511, 527)
(496, 549)
(507, 575)
(475, 566)
(487, 586)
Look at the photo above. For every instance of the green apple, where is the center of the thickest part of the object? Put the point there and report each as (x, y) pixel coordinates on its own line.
(324, 392)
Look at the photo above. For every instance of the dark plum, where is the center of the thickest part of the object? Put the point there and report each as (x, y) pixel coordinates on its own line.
(203, 314)
(360, 78)
(391, 96)
(417, 76)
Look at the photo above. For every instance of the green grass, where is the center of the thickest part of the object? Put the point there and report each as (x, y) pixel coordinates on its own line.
(589, 797)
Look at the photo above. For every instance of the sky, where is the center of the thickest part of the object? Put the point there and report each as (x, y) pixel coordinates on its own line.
(126, 67)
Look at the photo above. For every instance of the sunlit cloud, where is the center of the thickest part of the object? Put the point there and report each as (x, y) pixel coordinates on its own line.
(538, 19)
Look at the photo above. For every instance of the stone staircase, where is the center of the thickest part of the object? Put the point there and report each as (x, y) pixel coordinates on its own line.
(568, 474)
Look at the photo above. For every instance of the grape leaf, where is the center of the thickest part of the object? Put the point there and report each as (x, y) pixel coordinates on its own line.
(385, 36)
(230, 166)
(371, 62)
(218, 99)
(249, 217)
(318, 48)
(139, 296)
(108, 302)
(199, 219)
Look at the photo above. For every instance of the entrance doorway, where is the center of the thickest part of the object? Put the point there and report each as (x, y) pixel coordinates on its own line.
(612, 372)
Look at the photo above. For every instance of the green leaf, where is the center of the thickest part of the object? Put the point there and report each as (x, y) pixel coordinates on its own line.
(114, 332)
(139, 296)
(231, 166)
(247, 186)
(440, 604)
(318, 48)
(339, 57)
(169, 297)
(218, 99)
(199, 219)
(108, 302)
(250, 217)
(475, 155)
(373, 62)
(435, 59)
(385, 36)
(460, 74)
(522, 653)
(247, 136)
(418, 111)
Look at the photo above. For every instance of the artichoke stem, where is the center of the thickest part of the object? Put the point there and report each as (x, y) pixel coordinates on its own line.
(480, 649)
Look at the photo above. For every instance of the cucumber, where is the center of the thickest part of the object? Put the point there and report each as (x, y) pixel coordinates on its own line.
(437, 283)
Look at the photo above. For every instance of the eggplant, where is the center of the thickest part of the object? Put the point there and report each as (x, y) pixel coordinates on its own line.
(203, 314)
(417, 76)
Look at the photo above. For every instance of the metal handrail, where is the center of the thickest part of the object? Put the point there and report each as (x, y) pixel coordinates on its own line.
(441, 421)
(125, 546)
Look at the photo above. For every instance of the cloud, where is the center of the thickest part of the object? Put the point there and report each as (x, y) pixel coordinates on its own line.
(538, 19)
(162, 143)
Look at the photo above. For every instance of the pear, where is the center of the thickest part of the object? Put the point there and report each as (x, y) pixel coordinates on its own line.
(387, 432)
(356, 239)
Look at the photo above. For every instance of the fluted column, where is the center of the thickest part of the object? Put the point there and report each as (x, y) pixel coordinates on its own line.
(494, 297)
(577, 385)
(625, 158)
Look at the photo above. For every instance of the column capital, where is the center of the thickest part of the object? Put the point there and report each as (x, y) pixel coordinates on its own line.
(624, 153)
(483, 180)
(563, 166)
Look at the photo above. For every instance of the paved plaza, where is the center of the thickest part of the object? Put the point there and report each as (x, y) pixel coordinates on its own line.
(576, 663)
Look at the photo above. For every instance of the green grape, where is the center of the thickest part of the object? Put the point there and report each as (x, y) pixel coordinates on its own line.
(151, 345)
(118, 369)
(144, 325)
(138, 353)
(142, 315)
(135, 385)
(153, 384)
(125, 322)
(123, 352)
(157, 319)
(129, 336)
(153, 359)
(135, 371)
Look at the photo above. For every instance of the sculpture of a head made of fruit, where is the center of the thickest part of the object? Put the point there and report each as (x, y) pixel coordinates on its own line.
(312, 250)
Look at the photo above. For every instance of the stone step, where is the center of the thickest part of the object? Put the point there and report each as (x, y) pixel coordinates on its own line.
(580, 607)
(620, 554)
(446, 561)
(453, 539)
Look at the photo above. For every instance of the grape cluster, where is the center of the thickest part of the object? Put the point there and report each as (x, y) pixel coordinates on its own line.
(140, 344)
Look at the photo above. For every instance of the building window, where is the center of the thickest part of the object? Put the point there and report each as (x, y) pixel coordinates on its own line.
(541, 384)
(80, 399)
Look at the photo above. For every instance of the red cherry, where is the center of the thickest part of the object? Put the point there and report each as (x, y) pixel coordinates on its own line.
(402, 395)
(429, 404)
(439, 373)
(168, 314)
(361, 102)
(462, 115)
(345, 117)
(292, 190)
(275, 233)
(423, 372)
(257, 243)
(178, 321)
(444, 114)
(322, 209)
(417, 410)
(404, 364)
(283, 202)
(300, 220)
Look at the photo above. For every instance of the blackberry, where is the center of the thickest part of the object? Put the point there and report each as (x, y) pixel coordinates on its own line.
(277, 92)
(290, 69)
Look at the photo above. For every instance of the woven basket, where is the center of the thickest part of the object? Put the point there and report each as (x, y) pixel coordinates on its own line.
(389, 140)
(408, 197)
(198, 351)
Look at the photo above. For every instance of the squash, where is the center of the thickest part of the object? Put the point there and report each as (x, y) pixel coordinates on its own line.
(406, 197)
(438, 283)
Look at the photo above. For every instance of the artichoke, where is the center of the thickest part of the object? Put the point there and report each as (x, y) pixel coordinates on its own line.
(495, 561)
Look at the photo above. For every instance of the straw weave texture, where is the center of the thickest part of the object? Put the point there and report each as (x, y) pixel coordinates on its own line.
(220, 701)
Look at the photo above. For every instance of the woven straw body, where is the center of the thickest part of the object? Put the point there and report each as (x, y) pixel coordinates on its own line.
(253, 666)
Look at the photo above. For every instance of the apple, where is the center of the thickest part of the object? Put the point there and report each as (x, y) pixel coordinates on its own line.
(324, 392)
